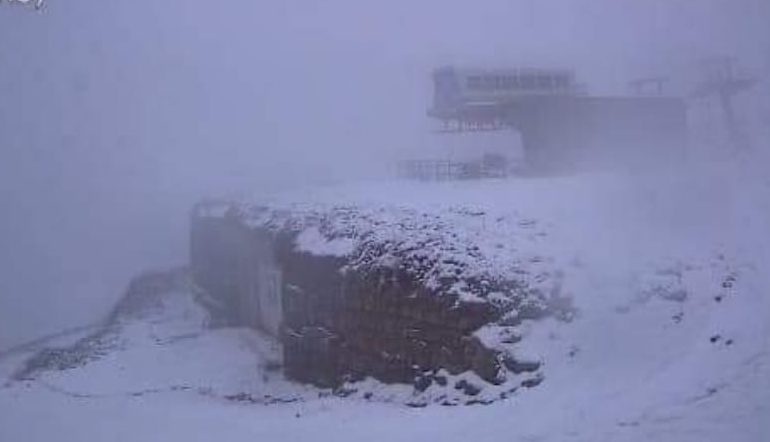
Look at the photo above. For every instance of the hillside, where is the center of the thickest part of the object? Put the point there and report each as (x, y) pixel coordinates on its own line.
(666, 279)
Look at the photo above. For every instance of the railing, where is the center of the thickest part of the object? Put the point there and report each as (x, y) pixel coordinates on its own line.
(447, 170)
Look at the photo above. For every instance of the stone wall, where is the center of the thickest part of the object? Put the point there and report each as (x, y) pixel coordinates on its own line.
(378, 324)
(336, 324)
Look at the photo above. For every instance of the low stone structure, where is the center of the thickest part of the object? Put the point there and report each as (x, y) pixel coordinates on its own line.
(339, 321)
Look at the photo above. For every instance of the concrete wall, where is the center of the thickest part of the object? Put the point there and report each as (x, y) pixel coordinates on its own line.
(593, 131)
(236, 265)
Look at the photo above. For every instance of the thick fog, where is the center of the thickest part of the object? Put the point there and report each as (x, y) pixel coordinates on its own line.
(115, 117)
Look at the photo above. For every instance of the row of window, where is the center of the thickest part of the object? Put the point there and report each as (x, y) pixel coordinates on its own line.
(523, 82)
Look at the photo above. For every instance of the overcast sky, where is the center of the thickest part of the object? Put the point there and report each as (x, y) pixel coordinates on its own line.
(116, 115)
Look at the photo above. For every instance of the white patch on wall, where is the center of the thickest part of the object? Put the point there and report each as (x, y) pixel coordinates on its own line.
(312, 241)
(270, 309)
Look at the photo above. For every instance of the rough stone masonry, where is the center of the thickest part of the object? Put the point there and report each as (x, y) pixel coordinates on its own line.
(340, 322)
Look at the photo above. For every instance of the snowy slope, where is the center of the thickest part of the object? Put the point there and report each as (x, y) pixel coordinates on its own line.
(671, 340)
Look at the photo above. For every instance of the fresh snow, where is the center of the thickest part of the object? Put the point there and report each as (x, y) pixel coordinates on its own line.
(670, 340)
(312, 241)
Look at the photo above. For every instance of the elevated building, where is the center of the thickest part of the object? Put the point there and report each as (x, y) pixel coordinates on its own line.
(561, 126)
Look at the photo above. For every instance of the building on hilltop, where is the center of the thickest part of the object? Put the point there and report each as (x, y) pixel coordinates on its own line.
(560, 124)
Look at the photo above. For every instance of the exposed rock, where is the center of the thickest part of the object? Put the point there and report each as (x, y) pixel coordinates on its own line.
(421, 383)
(532, 382)
(519, 366)
(467, 387)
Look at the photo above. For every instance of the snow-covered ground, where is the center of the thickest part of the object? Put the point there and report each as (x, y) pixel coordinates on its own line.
(671, 340)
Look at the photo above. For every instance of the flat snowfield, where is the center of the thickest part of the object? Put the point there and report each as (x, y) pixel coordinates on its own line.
(669, 276)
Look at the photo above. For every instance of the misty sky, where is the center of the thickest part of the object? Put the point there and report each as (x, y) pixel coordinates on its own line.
(116, 116)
